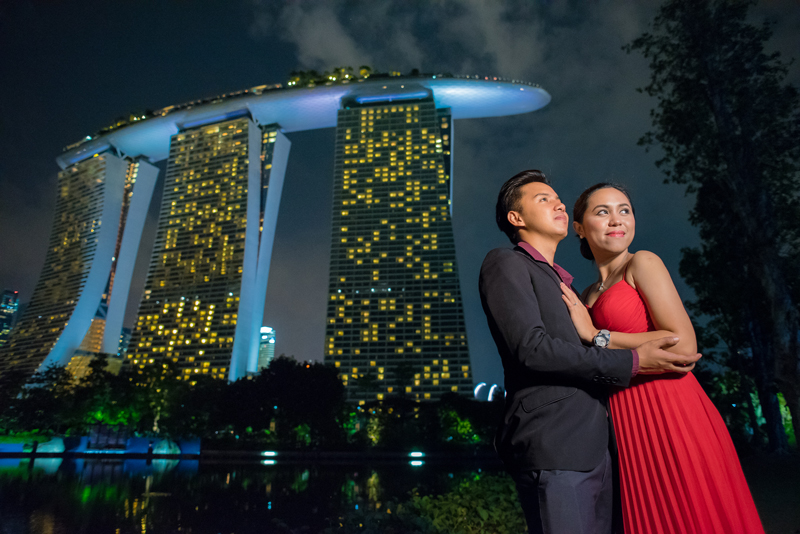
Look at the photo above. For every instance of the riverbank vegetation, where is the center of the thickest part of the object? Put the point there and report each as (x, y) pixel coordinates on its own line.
(290, 405)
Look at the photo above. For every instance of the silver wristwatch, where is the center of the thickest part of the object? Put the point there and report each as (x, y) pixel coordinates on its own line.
(602, 339)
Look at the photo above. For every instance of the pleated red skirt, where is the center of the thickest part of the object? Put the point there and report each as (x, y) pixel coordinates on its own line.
(679, 471)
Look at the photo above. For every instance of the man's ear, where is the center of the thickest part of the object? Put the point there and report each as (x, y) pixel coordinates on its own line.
(515, 219)
(578, 227)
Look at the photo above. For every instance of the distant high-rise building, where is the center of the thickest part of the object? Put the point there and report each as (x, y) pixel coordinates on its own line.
(395, 317)
(9, 305)
(90, 227)
(124, 342)
(266, 347)
(93, 341)
(204, 297)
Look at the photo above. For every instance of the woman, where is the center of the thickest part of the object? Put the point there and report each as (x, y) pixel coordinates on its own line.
(679, 472)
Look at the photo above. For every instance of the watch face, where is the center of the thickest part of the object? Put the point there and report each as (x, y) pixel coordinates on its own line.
(602, 338)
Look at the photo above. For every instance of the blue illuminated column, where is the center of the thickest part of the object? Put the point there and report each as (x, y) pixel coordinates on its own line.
(143, 179)
(262, 217)
(276, 157)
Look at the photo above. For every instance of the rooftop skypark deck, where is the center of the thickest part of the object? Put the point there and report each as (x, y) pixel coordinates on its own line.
(297, 108)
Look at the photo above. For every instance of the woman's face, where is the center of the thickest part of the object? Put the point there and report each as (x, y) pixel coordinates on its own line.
(608, 224)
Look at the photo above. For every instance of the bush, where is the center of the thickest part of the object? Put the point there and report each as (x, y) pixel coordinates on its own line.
(481, 504)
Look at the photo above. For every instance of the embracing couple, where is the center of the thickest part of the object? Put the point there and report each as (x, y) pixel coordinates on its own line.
(604, 428)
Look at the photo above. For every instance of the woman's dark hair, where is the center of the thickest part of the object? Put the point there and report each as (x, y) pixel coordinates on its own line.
(509, 197)
(582, 204)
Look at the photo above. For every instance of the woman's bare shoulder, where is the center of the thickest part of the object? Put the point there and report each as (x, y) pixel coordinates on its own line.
(645, 258)
(644, 264)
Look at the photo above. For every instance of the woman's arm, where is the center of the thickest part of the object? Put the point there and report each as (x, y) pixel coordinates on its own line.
(648, 275)
(631, 341)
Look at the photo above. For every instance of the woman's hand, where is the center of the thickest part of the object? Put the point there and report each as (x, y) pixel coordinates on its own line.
(579, 315)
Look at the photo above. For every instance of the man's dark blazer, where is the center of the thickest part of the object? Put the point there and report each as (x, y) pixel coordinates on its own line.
(555, 410)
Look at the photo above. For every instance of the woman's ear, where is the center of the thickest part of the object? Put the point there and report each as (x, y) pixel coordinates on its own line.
(578, 227)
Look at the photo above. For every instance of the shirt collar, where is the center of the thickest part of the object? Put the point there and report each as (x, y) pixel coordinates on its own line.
(536, 255)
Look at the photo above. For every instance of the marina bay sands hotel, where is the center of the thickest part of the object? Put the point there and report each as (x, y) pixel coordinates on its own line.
(394, 312)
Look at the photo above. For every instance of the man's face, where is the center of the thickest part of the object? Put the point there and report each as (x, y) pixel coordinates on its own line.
(541, 212)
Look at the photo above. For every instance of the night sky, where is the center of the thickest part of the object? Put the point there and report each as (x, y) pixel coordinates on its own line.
(69, 68)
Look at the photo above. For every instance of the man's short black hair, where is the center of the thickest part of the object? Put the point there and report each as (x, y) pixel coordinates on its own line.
(509, 200)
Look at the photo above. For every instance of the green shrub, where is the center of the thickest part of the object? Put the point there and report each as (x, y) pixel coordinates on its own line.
(482, 504)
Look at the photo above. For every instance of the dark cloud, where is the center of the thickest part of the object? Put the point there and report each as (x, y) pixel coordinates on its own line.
(75, 67)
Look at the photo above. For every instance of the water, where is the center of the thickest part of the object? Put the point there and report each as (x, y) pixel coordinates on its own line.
(55, 496)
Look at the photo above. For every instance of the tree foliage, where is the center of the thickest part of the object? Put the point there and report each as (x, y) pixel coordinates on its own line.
(729, 125)
(289, 405)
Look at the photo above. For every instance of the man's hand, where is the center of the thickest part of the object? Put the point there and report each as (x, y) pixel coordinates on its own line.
(653, 359)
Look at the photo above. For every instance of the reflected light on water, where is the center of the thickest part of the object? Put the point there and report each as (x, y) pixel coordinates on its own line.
(134, 496)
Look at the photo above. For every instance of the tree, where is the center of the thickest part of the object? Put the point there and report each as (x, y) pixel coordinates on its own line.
(101, 397)
(46, 403)
(197, 410)
(11, 384)
(367, 383)
(309, 398)
(403, 376)
(728, 125)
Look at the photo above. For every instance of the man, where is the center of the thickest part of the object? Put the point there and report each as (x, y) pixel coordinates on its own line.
(556, 432)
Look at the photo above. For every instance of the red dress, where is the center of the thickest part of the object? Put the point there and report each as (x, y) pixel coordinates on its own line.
(679, 472)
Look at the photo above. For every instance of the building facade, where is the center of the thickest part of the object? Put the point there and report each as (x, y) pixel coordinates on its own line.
(204, 296)
(266, 347)
(395, 322)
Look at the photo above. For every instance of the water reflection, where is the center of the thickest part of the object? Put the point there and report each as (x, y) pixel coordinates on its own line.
(51, 495)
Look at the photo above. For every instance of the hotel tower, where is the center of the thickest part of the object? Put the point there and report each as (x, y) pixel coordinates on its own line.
(79, 301)
(395, 316)
(204, 298)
